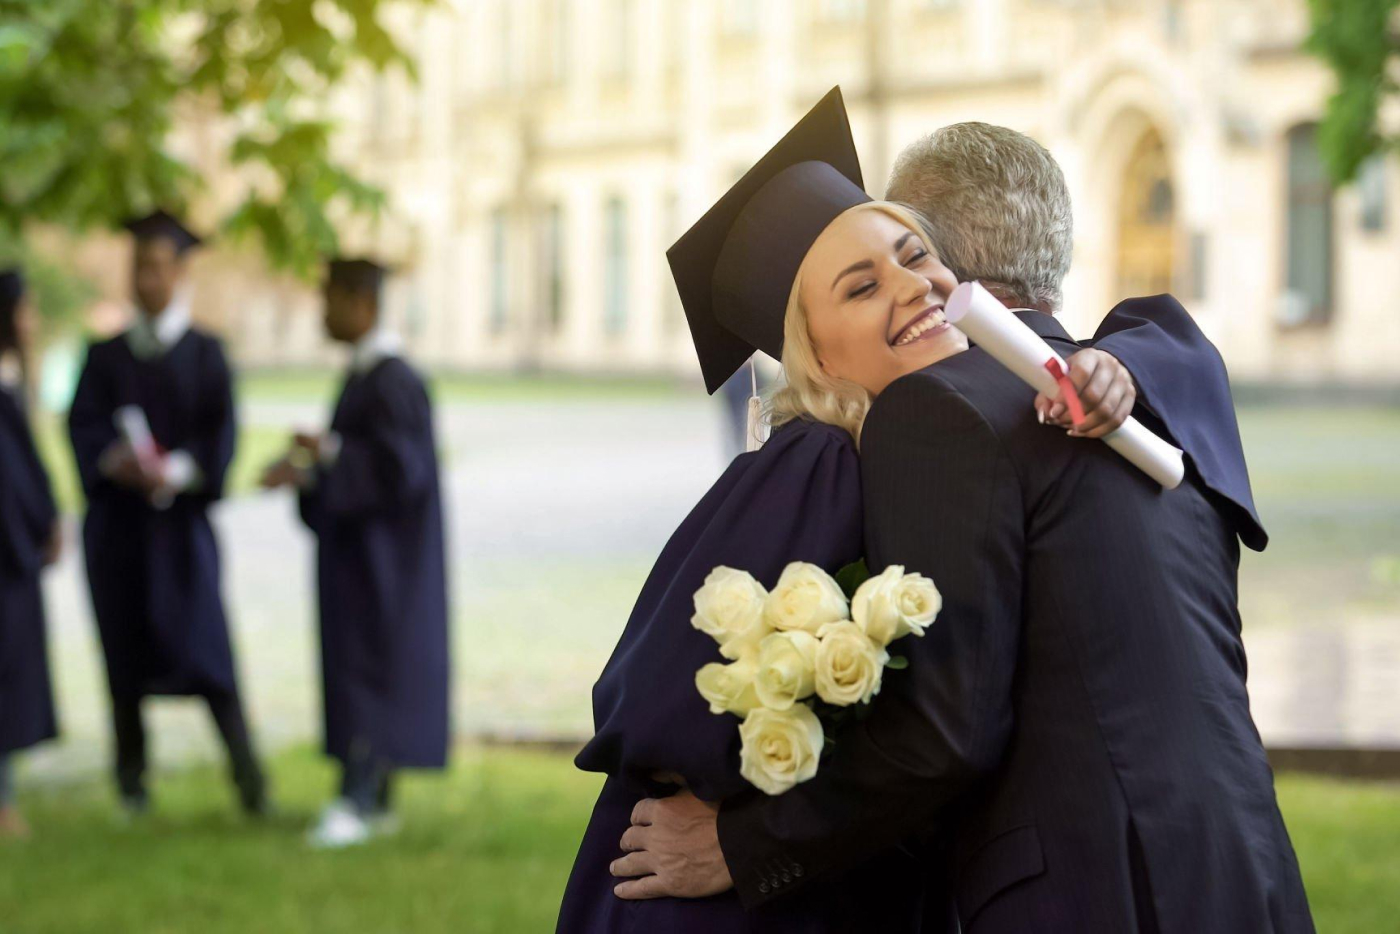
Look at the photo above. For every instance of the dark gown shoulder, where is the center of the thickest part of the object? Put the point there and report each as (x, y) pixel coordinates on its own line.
(796, 499)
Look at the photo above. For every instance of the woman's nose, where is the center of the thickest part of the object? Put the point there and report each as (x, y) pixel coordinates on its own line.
(912, 287)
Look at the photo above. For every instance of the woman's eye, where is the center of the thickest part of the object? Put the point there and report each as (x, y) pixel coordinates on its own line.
(917, 258)
(863, 290)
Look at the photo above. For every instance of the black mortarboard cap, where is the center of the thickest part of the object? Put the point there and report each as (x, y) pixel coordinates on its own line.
(161, 225)
(356, 275)
(11, 289)
(735, 267)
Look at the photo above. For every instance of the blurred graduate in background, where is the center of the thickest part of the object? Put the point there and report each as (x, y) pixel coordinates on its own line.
(153, 431)
(369, 491)
(30, 540)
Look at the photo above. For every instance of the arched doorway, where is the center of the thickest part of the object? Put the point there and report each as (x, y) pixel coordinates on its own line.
(1147, 239)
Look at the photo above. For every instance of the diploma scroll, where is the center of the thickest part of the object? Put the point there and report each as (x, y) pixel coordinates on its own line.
(992, 326)
(136, 432)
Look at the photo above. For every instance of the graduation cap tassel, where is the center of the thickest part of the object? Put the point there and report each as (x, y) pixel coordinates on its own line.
(753, 431)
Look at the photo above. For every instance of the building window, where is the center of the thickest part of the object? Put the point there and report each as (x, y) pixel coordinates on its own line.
(556, 33)
(1308, 298)
(500, 283)
(1370, 185)
(739, 18)
(840, 11)
(554, 268)
(617, 38)
(615, 267)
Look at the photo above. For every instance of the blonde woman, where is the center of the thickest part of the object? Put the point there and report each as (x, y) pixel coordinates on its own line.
(796, 261)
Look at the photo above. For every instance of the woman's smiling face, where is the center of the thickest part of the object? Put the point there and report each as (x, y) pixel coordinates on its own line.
(873, 295)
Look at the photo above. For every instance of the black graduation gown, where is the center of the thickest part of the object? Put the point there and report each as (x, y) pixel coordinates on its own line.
(377, 516)
(154, 574)
(1182, 380)
(27, 514)
(797, 499)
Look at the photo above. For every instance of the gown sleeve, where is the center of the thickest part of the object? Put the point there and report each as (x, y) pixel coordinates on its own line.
(90, 425)
(1182, 379)
(27, 510)
(389, 463)
(796, 499)
(211, 446)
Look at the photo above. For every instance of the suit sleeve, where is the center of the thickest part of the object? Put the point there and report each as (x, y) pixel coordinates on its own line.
(1182, 379)
(388, 464)
(943, 499)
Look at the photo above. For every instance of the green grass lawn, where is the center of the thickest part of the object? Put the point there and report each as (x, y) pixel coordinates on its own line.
(486, 848)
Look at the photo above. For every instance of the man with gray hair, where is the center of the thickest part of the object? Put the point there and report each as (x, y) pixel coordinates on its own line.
(997, 207)
(998, 211)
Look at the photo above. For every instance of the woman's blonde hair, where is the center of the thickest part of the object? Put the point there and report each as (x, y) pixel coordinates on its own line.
(807, 391)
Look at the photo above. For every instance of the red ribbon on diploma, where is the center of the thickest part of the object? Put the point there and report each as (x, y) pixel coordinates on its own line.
(1068, 394)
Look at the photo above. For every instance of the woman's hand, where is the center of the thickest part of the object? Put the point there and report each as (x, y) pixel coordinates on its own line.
(1105, 387)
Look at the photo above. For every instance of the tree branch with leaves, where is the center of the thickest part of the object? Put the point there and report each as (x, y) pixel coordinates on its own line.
(90, 91)
(1357, 40)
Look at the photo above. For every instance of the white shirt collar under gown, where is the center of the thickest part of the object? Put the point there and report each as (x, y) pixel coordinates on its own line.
(11, 377)
(152, 337)
(373, 347)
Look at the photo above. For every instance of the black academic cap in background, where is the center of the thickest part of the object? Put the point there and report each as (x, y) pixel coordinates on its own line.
(735, 267)
(161, 225)
(356, 275)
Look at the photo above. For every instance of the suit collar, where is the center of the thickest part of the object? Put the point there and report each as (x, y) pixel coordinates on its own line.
(1047, 326)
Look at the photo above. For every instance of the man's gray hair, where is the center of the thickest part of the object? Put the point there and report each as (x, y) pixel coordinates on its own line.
(997, 207)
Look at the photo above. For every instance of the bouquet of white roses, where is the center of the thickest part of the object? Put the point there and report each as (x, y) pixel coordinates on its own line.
(800, 654)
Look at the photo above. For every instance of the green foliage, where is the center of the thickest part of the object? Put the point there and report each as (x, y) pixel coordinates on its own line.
(851, 577)
(90, 90)
(1355, 38)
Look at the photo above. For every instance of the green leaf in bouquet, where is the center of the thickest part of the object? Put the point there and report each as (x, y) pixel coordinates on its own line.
(851, 577)
(897, 663)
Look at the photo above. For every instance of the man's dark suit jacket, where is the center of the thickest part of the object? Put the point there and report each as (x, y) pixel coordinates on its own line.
(1076, 717)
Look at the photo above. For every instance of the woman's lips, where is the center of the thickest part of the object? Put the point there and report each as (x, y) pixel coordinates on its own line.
(923, 326)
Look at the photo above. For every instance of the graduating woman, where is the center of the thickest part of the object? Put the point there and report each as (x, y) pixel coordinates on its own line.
(30, 540)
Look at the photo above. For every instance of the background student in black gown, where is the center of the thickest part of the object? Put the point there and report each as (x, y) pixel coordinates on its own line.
(152, 558)
(30, 540)
(370, 493)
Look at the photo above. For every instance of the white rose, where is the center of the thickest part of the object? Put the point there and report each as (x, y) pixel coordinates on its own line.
(729, 609)
(729, 688)
(895, 604)
(786, 669)
(849, 665)
(780, 747)
(806, 598)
